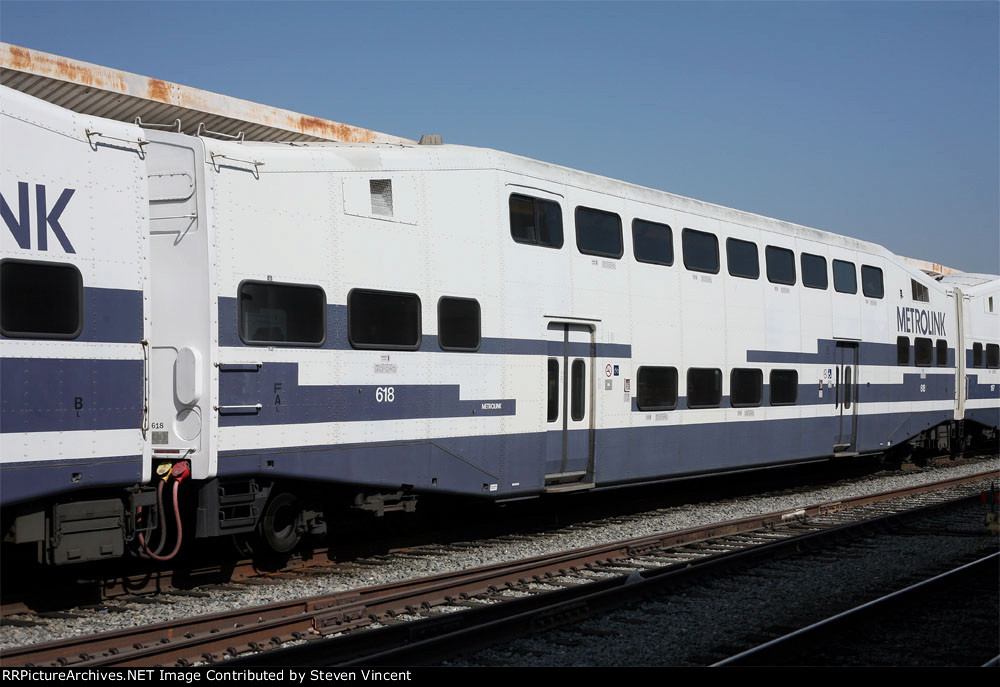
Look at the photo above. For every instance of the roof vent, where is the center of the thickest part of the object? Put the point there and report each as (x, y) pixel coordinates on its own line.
(431, 140)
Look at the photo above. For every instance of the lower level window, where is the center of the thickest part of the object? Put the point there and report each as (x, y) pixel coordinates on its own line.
(704, 388)
(273, 314)
(656, 388)
(784, 387)
(383, 319)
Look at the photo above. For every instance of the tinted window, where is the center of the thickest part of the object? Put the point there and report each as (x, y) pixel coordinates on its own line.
(536, 221)
(275, 314)
(40, 300)
(458, 324)
(923, 352)
(942, 353)
(813, 271)
(652, 242)
(598, 232)
(656, 388)
(784, 387)
(553, 386)
(704, 388)
(578, 391)
(977, 355)
(871, 282)
(383, 319)
(701, 251)
(902, 350)
(992, 355)
(746, 387)
(742, 259)
(845, 277)
(780, 265)
(919, 291)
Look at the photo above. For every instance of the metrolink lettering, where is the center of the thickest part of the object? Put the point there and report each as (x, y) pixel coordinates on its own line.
(920, 321)
(20, 226)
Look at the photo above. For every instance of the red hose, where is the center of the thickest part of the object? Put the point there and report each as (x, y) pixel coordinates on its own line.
(163, 538)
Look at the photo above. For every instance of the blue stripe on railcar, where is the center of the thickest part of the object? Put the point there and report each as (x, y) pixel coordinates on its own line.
(110, 316)
(512, 462)
(66, 394)
(336, 337)
(35, 479)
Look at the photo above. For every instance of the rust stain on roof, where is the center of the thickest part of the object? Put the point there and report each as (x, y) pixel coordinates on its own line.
(280, 121)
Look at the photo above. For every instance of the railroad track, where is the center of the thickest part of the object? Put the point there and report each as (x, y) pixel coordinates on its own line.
(848, 632)
(413, 617)
(98, 590)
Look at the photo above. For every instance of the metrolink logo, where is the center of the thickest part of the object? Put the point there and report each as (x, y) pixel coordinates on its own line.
(20, 226)
(920, 321)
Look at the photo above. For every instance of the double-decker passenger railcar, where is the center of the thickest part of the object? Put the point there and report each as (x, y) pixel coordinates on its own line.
(291, 330)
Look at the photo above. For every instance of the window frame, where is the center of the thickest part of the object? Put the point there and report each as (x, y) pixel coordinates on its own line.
(638, 385)
(992, 358)
(670, 241)
(596, 211)
(770, 387)
(941, 356)
(854, 269)
(729, 264)
(777, 250)
(690, 370)
(909, 356)
(927, 344)
(802, 272)
(385, 347)
(881, 281)
(479, 325)
(81, 298)
(280, 344)
(684, 233)
(537, 242)
(760, 387)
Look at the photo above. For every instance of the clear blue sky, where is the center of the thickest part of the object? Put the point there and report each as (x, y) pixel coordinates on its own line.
(874, 120)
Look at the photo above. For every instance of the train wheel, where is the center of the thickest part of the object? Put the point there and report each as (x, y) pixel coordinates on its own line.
(281, 523)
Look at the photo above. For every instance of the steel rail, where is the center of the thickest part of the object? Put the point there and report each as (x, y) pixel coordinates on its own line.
(765, 653)
(207, 638)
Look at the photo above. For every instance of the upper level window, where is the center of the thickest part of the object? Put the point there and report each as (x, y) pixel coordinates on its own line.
(845, 277)
(742, 258)
(652, 242)
(275, 314)
(942, 353)
(814, 271)
(40, 300)
(598, 232)
(871, 282)
(704, 388)
(536, 221)
(993, 355)
(383, 319)
(977, 355)
(656, 388)
(780, 265)
(746, 387)
(920, 291)
(458, 324)
(701, 251)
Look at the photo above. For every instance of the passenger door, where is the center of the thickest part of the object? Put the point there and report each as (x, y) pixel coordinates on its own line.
(569, 407)
(847, 397)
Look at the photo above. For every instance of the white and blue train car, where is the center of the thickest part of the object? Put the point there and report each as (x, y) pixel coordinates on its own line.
(294, 329)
